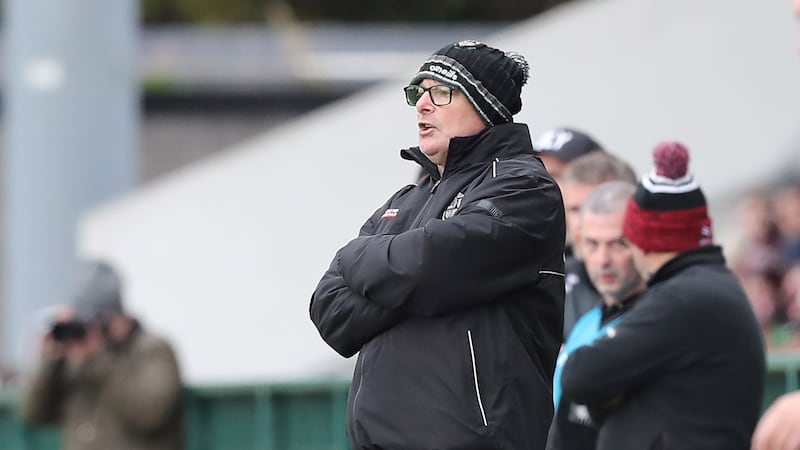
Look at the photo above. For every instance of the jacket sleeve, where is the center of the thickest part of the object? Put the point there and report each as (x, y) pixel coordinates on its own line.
(149, 395)
(639, 349)
(43, 399)
(496, 243)
(345, 320)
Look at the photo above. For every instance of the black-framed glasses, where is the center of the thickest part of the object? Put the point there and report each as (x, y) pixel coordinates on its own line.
(441, 94)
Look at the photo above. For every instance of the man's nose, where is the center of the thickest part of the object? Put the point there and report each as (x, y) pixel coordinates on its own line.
(425, 103)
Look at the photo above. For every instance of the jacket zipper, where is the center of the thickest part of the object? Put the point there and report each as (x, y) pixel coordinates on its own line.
(475, 378)
(426, 206)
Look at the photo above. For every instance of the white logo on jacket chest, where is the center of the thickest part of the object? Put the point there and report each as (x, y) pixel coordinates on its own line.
(452, 208)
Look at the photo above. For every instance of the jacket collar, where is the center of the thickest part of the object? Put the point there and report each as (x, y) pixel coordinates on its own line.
(493, 142)
(711, 255)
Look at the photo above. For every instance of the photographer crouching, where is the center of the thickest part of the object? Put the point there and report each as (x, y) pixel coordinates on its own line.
(104, 380)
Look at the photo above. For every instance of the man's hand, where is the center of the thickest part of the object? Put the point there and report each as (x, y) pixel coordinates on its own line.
(779, 427)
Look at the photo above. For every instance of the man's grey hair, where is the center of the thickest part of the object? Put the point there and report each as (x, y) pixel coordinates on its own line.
(608, 198)
(596, 168)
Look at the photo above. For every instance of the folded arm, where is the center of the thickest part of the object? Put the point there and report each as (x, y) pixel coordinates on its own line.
(649, 341)
(496, 243)
(345, 320)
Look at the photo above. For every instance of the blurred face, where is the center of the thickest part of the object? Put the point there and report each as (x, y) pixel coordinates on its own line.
(797, 14)
(755, 217)
(608, 256)
(553, 165)
(574, 194)
(438, 124)
(786, 205)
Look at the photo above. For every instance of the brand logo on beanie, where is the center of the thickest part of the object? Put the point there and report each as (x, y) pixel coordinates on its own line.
(706, 236)
(447, 73)
(468, 43)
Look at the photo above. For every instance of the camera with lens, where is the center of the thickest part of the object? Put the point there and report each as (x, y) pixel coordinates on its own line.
(71, 330)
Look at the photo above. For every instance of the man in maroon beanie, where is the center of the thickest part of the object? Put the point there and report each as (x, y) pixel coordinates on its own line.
(685, 368)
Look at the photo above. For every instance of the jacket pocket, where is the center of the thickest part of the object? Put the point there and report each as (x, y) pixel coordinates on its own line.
(475, 379)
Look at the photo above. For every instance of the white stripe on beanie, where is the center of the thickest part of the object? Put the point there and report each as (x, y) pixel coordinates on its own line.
(658, 184)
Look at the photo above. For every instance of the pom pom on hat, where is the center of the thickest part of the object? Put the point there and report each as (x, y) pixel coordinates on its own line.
(668, 211)
(671, 160)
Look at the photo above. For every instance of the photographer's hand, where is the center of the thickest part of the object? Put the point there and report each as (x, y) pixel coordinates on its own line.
(49, 346)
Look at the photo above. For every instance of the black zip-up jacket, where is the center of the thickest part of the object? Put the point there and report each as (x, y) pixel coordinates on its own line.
(684, 370)
(453, 294)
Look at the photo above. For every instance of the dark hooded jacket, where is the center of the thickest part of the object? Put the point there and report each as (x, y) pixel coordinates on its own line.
(453, 295)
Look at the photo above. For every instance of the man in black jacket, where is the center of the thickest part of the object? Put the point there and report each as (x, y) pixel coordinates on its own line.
(453, 292)
(685, 369)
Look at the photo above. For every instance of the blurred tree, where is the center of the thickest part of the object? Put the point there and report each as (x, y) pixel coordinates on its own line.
(255, 11)
(161, 11)
(229, 11)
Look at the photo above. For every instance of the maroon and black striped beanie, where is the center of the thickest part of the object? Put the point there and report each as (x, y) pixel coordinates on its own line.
(668, 211)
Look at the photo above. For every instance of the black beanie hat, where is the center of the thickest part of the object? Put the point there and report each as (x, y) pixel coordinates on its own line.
(491, 79)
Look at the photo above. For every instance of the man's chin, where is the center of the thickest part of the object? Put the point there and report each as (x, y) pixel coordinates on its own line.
(432, 153)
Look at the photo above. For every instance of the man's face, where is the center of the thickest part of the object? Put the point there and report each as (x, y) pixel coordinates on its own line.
(608, 256)
(438, 124)
(574, 194)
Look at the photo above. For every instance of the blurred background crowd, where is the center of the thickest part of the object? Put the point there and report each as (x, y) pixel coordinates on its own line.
(767, 258)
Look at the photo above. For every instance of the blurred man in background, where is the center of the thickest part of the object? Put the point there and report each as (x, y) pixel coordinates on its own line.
(108, 383)
(581, 176)
(779, 427)
(609, 262)
(685, 368)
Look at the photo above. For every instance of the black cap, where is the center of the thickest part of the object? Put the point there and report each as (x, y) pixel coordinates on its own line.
(491, 78)
(96, 291)
(565, 144)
